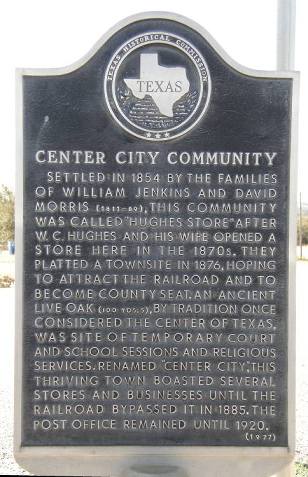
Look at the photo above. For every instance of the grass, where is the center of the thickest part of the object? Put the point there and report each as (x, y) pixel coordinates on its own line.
(301, 470)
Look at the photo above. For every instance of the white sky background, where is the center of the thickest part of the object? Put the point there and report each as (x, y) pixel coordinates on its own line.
(55, 33)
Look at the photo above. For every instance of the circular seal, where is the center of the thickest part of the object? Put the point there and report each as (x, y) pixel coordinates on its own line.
(157, 86)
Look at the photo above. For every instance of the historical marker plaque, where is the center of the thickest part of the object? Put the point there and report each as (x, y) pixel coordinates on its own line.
(155, 247)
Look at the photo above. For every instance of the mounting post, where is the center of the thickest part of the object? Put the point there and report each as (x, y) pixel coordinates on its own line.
(286, 34)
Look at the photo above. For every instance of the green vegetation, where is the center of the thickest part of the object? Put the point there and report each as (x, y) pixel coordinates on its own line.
(301, 470)
(6, 281)
(304, 230)
(7, 215)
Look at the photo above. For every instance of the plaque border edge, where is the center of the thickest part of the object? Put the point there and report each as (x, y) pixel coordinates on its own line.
(105, 455)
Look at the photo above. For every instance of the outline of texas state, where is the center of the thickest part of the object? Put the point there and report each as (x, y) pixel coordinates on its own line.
(164, 84)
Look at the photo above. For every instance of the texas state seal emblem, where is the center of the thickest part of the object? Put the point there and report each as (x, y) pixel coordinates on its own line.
(157, 86)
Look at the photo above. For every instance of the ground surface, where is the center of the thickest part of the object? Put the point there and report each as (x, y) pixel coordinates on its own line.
(302, 253)
(7, 264)
(7, 463)
(302, 361)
